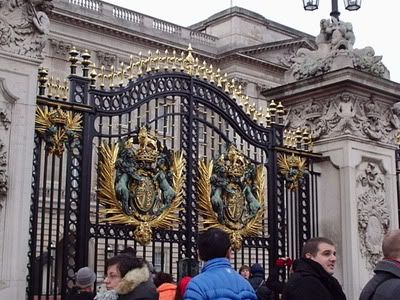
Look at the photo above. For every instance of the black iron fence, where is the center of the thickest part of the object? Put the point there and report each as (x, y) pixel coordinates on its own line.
(195, 115)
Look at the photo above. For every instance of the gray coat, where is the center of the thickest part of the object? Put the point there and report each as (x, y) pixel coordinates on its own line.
(385, 283)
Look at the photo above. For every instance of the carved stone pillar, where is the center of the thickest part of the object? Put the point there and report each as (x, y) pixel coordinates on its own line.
(354, 121)
(23, 33)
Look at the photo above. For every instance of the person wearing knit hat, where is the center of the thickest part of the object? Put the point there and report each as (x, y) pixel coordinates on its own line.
(257, 281)
(84, 281)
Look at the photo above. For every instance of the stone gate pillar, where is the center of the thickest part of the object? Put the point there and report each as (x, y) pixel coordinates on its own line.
(354, 120)
(23, 33)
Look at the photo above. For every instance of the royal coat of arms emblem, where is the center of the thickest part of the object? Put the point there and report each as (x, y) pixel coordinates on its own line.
(231, 194)
(140, 183)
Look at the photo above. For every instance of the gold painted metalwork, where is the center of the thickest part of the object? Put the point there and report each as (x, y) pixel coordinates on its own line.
(58, 128)
(133, 185)
(231, 195)
(293, 168)
(184, 62)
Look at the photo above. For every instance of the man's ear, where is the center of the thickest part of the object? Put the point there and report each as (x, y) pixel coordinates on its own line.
(229, 253)
(308, 255)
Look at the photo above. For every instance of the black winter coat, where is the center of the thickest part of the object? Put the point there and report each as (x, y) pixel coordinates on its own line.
(258, 283)
(77, 294)
(311, 282)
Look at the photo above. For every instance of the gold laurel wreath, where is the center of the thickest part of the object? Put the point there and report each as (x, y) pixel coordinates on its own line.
(285, 163)
(113, 213)
(251, 228)
(68, 121)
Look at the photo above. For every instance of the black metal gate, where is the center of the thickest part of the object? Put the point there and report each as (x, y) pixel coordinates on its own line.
(189, 109)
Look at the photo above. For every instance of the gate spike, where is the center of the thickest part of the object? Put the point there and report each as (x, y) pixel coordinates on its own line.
(122, 74)
(42, 80)
(93, 75)
(73, 59)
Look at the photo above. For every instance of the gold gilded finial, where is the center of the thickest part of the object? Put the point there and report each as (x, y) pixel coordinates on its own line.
(280, 112)
(188, 62)
(85, 63)
(306, 139)
(272, 111)
(42, 80)
(298, 138)
(73, 59)
(93, 75)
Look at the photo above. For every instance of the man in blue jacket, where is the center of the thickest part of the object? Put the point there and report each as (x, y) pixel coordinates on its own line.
(217, 280)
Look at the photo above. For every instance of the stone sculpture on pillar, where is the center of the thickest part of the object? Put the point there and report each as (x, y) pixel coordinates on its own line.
(347, 113)
(334, 51)
(24, 26)
(373, 213)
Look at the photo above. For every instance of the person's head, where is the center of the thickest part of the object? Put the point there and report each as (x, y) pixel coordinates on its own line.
(213, 243)
(129, 250)
(85, 278)
(322, 251)
(391, 245)
(245, 271)
(257, 270)
(161, 277)
(117, 267)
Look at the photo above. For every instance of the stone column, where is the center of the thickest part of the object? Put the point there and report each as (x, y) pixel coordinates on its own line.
(23, 33)
(354, 121)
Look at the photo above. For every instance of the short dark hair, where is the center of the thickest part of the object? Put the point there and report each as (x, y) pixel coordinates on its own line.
(125, 263)
(213, 243)
(311, 246)
(244, 267)
(128, 250)
(161, 278)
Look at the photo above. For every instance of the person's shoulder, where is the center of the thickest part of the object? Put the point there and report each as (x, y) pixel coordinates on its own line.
(303, 282)
(390, 287)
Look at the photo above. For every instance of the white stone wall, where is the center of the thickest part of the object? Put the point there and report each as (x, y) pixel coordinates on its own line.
(18, 78)
(360, 176)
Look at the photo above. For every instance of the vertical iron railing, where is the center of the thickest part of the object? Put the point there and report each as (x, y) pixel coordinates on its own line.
(79, 219)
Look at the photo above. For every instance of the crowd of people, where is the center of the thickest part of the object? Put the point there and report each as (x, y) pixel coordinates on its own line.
(311, 277)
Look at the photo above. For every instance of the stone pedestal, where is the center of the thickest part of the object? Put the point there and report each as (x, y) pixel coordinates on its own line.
(354, 121)
(18, 82)
(358, 204)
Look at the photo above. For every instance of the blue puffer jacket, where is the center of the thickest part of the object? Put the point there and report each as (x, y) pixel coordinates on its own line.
(218, 281)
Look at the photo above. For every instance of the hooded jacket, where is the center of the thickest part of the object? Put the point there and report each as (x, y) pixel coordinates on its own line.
(257, 281)
(137, 285)
(218, 280)
(311, 282)
(167, 291)
(385, 285)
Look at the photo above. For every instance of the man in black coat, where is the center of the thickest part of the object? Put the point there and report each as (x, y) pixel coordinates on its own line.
(312, 278)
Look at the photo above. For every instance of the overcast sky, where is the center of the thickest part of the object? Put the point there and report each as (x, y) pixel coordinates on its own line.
(375, 24)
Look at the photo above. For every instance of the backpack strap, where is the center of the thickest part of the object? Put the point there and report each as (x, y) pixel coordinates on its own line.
(261, 283)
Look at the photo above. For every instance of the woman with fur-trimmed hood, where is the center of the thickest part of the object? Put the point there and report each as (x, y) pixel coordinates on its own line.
(130, 278)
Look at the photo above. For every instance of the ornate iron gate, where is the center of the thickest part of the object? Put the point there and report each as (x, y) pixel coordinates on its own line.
(189, 109)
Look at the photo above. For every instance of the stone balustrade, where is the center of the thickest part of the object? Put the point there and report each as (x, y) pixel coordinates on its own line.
(131, 20)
